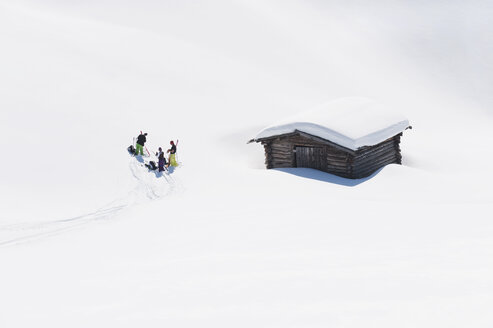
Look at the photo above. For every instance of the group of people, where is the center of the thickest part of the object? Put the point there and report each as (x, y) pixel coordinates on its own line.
(162, 162)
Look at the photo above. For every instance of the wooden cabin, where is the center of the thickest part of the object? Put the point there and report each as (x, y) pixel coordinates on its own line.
(305, 143)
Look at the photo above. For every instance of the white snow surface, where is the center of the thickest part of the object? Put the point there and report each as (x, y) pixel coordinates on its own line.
(90, 238)
(351, 122)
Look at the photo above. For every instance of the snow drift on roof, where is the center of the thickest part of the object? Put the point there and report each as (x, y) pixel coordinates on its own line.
(351, 122)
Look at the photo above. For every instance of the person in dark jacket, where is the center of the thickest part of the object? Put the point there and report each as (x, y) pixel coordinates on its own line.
(162, 159)
(172, 154)
(139, 147)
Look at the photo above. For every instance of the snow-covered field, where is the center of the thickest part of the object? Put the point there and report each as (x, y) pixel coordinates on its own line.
(89, 238)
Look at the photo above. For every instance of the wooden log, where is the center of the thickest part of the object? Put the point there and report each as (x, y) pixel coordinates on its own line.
(364, 148)
(281, 153)
(333, 154)
(332, 157)
(281, 159)
(277, 161)
(339, 168)
(279, 148)
(342, 167)
(281, 165)
(338, 164)
(382, 161)
(372, 168)
(374, 156)
(375, 149)
(282, 145)
(366, 173)
(336, 158)
(281, 156)
(376, 162)
(282, 150)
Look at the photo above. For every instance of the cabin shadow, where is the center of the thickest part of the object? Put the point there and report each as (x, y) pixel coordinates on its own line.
(325, 177)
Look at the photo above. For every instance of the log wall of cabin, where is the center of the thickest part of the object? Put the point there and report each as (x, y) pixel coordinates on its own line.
(370, 159)
(280, 153)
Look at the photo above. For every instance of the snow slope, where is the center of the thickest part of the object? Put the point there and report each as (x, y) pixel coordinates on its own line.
(89, 238)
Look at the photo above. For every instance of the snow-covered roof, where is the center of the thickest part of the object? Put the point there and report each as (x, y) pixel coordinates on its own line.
(351, 122)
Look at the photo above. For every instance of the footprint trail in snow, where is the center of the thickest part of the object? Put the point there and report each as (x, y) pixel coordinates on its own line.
(150, 186)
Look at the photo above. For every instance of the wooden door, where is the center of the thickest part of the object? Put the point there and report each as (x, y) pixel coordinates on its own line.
(312, 157)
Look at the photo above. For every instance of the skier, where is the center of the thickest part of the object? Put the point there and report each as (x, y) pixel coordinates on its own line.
(172, 154)
(139, 147)
(162, 159)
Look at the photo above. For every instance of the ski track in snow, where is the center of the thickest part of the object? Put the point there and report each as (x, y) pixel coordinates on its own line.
(26, 232)
(151, 183)
(150, 186)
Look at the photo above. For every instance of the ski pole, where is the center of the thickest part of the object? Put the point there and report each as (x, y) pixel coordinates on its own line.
(176, 152)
